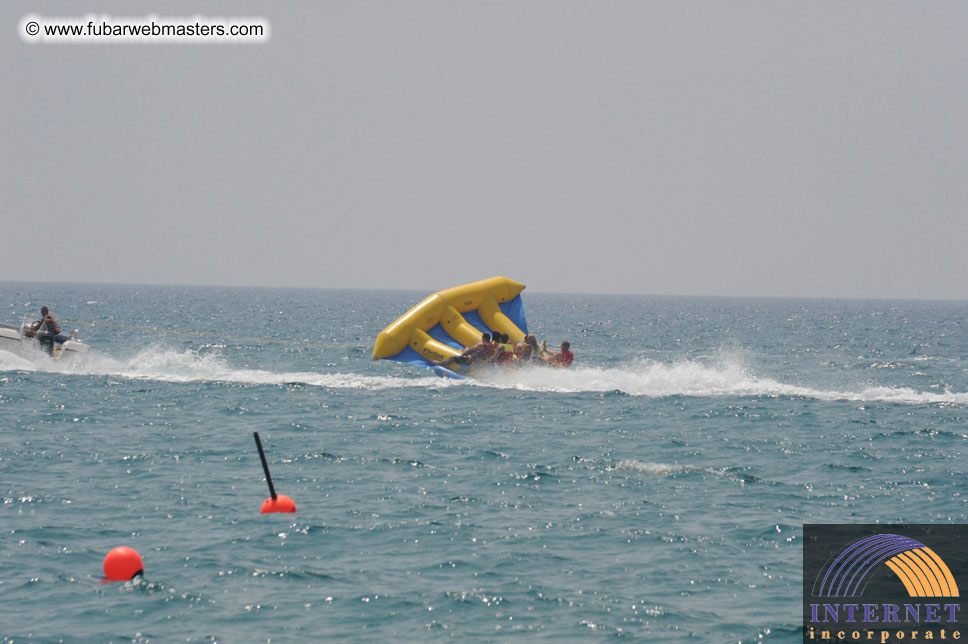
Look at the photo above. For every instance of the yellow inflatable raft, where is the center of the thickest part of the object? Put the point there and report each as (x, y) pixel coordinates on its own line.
(447, 322)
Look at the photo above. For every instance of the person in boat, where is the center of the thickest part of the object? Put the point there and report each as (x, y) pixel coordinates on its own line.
(532, 341)
(527, 350)
(483, 350)
(506, 341)
(563, 358)
(46, 331)
(505, 352)
(522, 351)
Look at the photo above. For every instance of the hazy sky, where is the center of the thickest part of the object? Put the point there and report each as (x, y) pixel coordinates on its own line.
(669, 147)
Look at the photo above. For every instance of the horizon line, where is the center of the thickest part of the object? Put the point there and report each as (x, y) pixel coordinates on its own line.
(431, 290)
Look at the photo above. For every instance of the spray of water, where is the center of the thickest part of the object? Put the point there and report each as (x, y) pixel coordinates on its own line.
(165, 365)
(726, 376)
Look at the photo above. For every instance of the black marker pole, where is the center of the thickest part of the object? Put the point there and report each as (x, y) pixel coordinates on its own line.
(265, 466)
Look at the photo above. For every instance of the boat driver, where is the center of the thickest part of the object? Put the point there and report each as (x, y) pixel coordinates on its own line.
(46, 330)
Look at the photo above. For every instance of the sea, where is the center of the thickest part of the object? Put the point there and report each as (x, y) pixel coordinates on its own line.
(654, 492)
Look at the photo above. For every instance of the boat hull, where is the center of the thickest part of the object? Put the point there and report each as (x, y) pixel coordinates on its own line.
(13, 341)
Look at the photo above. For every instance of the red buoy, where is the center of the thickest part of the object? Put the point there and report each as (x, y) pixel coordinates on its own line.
(276, 502)
(122, 564)
(281, 503)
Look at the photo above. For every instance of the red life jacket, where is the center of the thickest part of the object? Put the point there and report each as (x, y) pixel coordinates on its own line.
(566, 358)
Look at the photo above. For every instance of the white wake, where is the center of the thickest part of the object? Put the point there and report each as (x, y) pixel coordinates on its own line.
(166, 365)
(725, 377)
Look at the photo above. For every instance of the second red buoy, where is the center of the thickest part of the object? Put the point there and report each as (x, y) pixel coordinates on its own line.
(122, 564)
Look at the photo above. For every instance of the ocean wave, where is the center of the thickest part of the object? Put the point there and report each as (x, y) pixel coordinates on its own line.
(648, 467)
(674, 469)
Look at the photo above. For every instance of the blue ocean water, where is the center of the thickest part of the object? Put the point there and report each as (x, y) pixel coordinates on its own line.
(654, 492)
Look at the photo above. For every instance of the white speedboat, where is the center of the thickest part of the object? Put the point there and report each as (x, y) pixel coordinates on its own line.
(15, 340)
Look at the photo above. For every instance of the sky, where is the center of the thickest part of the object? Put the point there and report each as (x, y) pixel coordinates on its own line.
(771, 148)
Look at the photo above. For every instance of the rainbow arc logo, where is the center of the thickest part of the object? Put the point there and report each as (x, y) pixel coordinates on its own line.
(919, 568)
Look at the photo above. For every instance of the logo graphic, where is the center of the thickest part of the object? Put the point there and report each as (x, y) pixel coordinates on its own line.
(922, 572)
(883, 583)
